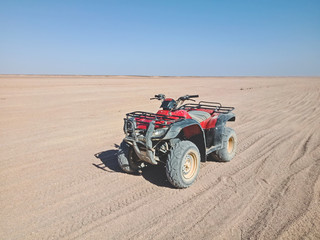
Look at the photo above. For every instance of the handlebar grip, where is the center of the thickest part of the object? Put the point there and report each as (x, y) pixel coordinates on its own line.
(193, 96)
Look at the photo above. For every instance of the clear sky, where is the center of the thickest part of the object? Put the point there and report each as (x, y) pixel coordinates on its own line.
(163, 37)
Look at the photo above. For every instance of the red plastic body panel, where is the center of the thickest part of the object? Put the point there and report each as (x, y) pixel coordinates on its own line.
(181, 113)
(191, 131)
(142, 123)
(208, 123)
(211, 121)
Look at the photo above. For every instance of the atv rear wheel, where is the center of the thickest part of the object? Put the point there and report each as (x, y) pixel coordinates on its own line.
(229, 143)
(127, 158)
(183, 164)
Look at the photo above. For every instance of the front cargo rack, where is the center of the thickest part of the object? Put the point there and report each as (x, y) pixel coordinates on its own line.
(144, 118)
(214, 106)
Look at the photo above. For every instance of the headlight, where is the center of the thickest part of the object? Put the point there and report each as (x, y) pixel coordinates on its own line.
(129, 125)
(159, 132)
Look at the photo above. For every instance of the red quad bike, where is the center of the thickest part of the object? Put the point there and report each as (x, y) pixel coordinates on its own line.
(179, 136)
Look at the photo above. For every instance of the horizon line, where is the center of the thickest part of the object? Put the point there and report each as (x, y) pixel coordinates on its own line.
(133, 75)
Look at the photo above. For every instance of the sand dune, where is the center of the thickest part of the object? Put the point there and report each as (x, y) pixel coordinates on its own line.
(59, 177)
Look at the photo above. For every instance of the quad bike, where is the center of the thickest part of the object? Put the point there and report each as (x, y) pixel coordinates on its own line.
(179, 136)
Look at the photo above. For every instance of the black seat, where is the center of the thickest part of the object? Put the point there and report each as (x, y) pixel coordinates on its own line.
(199, 116)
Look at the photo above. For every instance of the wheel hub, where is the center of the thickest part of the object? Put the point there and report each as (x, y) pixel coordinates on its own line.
(230, 145)
(187, 165)
(190, 165)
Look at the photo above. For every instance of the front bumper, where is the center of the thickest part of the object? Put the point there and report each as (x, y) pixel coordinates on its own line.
(147, 155)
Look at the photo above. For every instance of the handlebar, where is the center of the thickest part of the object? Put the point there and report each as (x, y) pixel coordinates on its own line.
(175, 103)
(187, 97)
(183, 98)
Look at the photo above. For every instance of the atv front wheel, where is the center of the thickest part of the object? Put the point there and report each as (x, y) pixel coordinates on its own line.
(229, 143)
(183, 164)
(127, 158)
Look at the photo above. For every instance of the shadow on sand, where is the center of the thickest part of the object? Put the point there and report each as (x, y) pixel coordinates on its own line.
(109, 163)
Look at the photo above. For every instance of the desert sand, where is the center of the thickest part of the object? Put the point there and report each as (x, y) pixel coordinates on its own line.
(59, 177)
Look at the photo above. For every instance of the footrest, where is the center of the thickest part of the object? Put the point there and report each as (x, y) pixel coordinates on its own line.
(213, 148)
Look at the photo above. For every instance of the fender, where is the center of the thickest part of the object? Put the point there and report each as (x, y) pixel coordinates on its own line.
(220, 125)
(176, 128)
(193, 127)
(223, 118)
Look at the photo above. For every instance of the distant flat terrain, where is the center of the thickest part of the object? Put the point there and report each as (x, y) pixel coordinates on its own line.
(59, 177)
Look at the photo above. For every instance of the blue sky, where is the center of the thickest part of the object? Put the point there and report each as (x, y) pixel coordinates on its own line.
(167, 37)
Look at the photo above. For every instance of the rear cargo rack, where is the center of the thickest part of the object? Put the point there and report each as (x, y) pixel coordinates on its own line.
(214, 106)
(145, 118)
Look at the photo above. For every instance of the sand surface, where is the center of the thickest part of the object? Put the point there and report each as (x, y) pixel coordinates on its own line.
(59, 177)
